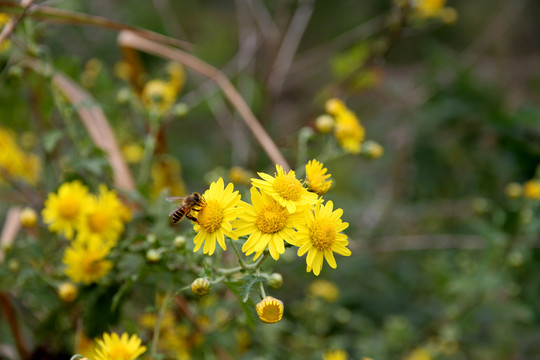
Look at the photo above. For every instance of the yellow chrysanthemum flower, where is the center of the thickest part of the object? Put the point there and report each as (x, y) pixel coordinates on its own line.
(286, 189)
(531, 189)
(166, 174)
(159, 96)
(268, 224)
(348, 131)
(102, 219)
(113, 347)
(321, 236)
(317, 178)
(335, 355)
(85, 261)
(270, 310)
(215, 218)
(64, 211)
(14, 162)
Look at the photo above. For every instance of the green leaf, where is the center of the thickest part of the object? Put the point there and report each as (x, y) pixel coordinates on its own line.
(248, 285)
(50, 139)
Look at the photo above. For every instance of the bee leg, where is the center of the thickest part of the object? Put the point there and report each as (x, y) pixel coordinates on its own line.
(191, 217)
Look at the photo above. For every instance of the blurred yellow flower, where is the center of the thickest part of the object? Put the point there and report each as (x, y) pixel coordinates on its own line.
(4, 19)
(429, 8)
(348, 131)
(85, 261)
(531, 189)
(270, 310)
(113, 347)
(418, 354)
(85, 346)
(267, 223)
(102, 219)
(159, 96)
(335, 355)
(239, 175)
(324, 123)
(123, 70)
(321, 236)
(324, 289)
(286, 189)
(133, 153)
(513, 190)
(372, 149)
(317, 179)
(215, 218)
(65, 210)
(166, 174)
(15, 164)
(177, 76)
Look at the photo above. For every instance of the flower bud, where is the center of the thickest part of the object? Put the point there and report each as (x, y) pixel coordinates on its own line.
(201, 286)
(67, 292)
(153, 255)
(29, 217)
(180, 109)
(151, 238)
(180, 241)
(372, 149)
(275, 281)
(513, 190)
(270, 310)
(324, 123)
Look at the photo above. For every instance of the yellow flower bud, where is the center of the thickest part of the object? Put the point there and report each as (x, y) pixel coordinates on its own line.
(153, 255)
(67, 292)
(201, 286)
(29, 217)
(372, 149)
(324, 123)
(513, 190)
(449, 15)
(180, 241)
(270, 310)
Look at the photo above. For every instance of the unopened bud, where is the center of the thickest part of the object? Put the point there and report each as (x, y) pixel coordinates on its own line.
(201, 286)
(153, 255)
(513, 190)
(180, 241)
(275, 280)
(324, 123)
(180, 109)
(29, 217)
(372, 149)
(67, 292)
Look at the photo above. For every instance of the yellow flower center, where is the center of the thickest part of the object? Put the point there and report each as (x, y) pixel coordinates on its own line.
(211, 216)
(91, 265)
(270, 310)
(271, 218)
(68, 207)
(288, 187)
(98, 222)
(322, 234)
(119, 352)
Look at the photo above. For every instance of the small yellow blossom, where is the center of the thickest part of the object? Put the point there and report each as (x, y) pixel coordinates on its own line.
(286, 189)
(159, 96)
(335, 355)
(348, 131)
(372, 149)
(177, 76)
(324, 289)
(239, 175)
(215, 218)
(29, 217)
(123, 70)
(531, 189)
(85, 346)
(85, 261)
(166, 174)
(102, 219)
(268, 224)
(67, 292)
(334, 106)
(317, 178)
(321, 236)
(429, 8)
(113, 347)
(65, 210)
(15, 164)
(270, 310)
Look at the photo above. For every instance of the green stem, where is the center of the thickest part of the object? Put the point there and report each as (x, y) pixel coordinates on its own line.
(259, 264)
(149, 147)
(263, 293)
(159, 319)
(238, 255)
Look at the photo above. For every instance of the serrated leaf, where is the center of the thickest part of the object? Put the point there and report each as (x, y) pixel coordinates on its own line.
(248, 285)
(248, 307)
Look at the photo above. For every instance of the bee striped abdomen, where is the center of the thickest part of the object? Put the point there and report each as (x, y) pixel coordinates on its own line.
(178, 215)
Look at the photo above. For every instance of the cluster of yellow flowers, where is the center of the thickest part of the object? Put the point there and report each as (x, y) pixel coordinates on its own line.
(159, 95)
(345, 125)
(434, 9)
(15, 164)
(93, 223)
(281, 211)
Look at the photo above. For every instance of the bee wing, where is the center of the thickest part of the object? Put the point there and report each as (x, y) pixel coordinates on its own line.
(174, 198)
(172, 212)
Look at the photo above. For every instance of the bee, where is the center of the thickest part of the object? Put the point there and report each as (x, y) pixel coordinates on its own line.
(192, 202)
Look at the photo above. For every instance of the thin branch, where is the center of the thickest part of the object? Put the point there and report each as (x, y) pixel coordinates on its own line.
(263, 19)
(9, 312)
(11, 227)
(10, 27)
(130, 39)
(289, 45)
(73, 17)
